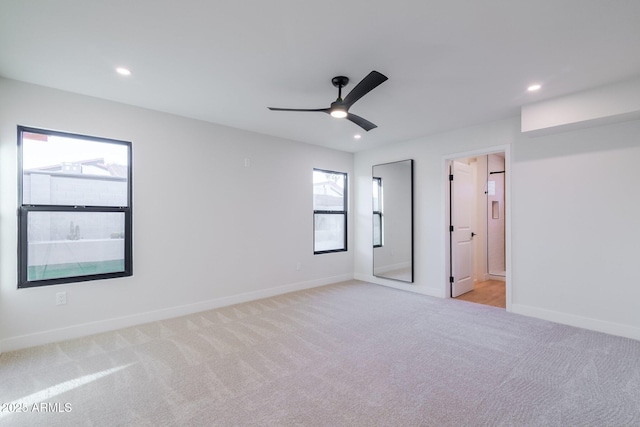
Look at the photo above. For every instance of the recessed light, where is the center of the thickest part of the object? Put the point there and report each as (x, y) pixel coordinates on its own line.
(123, 71)
(534, 88)
(357, 136)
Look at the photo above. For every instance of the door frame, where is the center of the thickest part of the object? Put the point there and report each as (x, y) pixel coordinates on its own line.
(446, 198)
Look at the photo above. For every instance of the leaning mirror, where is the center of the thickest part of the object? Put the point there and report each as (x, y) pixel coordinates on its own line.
(393, 221)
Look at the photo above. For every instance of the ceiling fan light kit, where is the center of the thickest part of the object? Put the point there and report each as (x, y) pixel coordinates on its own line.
(340, 107)
(338, 112)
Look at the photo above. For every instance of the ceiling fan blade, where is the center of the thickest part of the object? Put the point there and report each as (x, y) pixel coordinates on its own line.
(366, 85)
(363, 123)
(324, 110)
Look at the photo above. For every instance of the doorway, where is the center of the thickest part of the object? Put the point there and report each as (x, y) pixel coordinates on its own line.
(478, 228)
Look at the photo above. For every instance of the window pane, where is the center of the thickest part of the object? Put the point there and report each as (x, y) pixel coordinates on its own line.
(328, 191)
(377, 229)
(63, 170)
(329, 232)
(70, 244)
(376, 194)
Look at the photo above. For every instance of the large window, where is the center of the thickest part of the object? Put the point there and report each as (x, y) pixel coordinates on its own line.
(74, 219)
(329, 211)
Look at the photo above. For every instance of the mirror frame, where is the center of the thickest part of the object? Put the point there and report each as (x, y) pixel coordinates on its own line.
(411, 279)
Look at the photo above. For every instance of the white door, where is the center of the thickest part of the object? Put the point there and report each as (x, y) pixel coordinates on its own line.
(462, 212)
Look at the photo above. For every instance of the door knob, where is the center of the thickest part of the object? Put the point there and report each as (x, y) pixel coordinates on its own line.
(473, 234)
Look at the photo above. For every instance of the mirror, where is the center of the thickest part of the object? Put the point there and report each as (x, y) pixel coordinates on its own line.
(393, 221)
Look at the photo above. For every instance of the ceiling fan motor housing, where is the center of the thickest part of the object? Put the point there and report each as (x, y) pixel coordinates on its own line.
(340, 81)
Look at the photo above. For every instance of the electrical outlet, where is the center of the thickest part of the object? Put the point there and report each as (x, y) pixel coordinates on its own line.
(61, 298)
(247, 162)
(298, 266)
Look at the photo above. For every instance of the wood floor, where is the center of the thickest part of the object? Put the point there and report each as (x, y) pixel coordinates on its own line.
(491, 292)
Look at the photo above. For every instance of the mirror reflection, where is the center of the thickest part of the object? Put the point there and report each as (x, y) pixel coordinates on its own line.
(393, 220)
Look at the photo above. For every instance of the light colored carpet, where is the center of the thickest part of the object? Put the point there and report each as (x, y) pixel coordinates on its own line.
(350, 354)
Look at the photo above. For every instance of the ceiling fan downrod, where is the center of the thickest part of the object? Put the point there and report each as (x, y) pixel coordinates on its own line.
(340, 82)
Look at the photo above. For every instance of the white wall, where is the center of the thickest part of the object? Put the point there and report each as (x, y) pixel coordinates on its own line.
(496, 226)
(574, 219)
(480, 262)
(576, 228)
(208, 231)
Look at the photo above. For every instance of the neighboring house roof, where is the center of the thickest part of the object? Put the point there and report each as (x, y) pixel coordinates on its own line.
(328, 188)
(96, 166)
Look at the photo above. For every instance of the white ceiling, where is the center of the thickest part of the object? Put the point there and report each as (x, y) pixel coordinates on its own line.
(450, 63)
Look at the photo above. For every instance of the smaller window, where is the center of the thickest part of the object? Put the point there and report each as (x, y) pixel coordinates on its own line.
(377, 212)
(329, 211)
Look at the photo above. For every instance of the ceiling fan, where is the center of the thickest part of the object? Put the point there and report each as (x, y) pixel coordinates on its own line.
(340, 107)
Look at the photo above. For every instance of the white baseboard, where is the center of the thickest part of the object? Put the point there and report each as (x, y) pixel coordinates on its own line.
(578, 321)
(81, 330)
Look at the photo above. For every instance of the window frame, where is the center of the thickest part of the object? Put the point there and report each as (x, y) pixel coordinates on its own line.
(378, 213)
(329, 212)
(25, 209)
